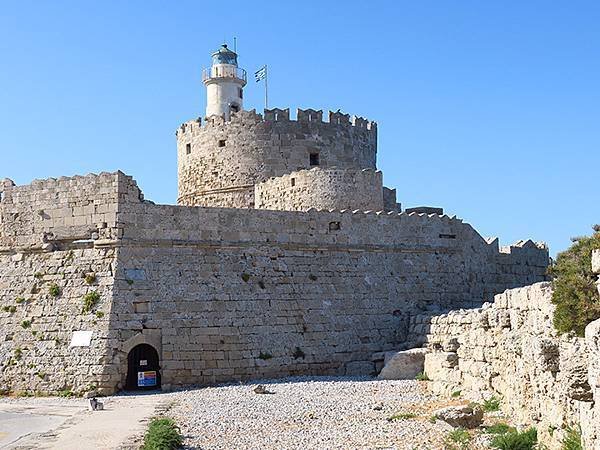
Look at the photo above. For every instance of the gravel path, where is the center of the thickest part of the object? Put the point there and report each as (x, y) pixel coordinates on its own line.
(310, 413)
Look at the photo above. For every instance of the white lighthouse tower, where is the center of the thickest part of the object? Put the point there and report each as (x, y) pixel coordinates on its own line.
(225, 83)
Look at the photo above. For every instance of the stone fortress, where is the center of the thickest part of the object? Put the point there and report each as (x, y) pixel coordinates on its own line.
(286, 255)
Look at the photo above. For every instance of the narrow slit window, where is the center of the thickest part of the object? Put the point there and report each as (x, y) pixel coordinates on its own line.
(314, 159)
(221, 143)
(188, 149)
(293, 182)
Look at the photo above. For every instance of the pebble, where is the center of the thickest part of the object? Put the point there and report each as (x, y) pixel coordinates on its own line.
(309, 413)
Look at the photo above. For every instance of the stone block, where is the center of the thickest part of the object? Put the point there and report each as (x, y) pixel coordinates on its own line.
(404, 365)
(596, 261)
(360, 368)
(461, 416)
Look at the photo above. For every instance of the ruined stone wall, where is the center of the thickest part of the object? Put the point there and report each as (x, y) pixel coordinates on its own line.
(219, 162)
(224, 294)
(510, 349)
(322, 189)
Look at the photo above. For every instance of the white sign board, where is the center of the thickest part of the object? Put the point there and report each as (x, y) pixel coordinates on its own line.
(81, 339)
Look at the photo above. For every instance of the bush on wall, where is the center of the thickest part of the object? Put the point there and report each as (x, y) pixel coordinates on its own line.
(575, 294)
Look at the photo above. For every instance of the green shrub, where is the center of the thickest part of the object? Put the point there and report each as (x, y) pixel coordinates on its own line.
(456, 394)
(54, 290)
(245, 277)
(90, 278)
(99, 314)
(19, 300)
(572, 439)
(38, 275)
(575, 294)
(500, 428)
(90, 300)
(422, 377)
(514, 440)
(163, 434)
(66, 393)
(298, 353)
(458, 439)
(18, 353)
(26, 323)
(265, 356)
(401, 416)
(491, 404)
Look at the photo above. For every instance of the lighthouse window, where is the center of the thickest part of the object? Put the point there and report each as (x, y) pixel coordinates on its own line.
(314, 159)
(241, 92)
(188, 149)
(221, 143)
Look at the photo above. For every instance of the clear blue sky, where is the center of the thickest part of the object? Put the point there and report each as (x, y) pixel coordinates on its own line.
(488, 109)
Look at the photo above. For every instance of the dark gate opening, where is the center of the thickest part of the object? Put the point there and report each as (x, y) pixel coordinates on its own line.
(143, 371)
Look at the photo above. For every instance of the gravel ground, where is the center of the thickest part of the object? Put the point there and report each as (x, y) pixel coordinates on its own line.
(310, 413)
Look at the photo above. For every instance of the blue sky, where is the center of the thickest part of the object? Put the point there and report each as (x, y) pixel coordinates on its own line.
(488, 109)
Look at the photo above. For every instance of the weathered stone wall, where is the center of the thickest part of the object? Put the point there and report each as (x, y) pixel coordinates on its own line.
(219, 162)
(590, 419)
(37, 323)
(511, 349)
(51, 256)
(65, 209)
(226, 294)
(322, 189)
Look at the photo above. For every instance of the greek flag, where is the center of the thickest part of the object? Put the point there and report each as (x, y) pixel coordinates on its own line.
(261, 74)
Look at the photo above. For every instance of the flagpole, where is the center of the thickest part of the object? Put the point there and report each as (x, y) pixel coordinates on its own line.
(266, 88)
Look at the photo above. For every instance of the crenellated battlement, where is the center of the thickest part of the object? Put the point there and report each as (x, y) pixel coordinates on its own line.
(221, 161)
(275, 115)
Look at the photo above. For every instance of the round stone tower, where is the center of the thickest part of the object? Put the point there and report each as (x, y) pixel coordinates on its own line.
(224, 82)
(222, 158)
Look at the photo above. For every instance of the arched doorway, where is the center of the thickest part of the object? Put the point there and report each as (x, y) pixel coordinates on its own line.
(143, 370)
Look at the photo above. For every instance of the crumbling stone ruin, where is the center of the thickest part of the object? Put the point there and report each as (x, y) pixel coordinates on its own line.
(285, 255)
(510, 348)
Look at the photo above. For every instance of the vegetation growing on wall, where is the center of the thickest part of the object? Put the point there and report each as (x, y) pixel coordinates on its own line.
(575, 294)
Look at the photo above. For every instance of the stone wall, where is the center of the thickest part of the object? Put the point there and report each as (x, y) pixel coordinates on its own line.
(225, 294)
(510, 349)
(60, 210)
(51, 257)
(322, 189)
(219, 162)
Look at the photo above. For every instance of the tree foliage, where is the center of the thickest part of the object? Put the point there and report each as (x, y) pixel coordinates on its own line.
(575, 293)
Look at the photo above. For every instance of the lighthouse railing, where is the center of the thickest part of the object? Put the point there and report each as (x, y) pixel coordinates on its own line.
(223, 72)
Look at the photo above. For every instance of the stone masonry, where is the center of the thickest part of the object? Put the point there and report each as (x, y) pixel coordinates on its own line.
(510, 349)
(222, 294)
(285, 256)
(220, 162)
(322, 189)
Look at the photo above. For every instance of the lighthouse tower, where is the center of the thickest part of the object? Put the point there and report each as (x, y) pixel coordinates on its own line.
(224, 82)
